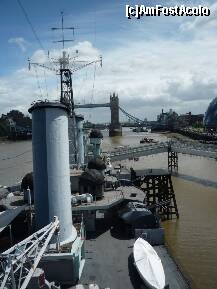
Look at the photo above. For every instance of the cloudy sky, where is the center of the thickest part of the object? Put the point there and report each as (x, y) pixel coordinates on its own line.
(152, 63)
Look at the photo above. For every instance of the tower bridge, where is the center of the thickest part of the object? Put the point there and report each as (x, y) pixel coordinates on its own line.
(115, 128)
(92, 105)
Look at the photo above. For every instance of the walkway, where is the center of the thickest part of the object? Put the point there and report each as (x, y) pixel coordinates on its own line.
(151, 149)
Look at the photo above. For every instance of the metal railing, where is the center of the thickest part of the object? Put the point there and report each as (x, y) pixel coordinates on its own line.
(206, 150)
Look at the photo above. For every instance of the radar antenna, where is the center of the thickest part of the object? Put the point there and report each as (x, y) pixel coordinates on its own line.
(62, 28)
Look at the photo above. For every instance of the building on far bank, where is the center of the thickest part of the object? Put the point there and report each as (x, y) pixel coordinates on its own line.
(167, 120)
(189, 119)
(171, 120)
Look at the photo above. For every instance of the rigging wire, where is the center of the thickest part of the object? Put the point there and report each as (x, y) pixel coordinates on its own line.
(94, 29)
(30, 24)
(84, 83)
(58, 87)
(15, 156)
(57, 76)
(80, 85)
(93, 87)
(38, 83)
(45, 80)
(35, 34)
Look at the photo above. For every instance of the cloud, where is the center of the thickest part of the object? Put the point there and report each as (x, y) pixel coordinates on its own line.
(202, 22)
(145, 79)
(151, 64)
(20, 41)
(198, 88)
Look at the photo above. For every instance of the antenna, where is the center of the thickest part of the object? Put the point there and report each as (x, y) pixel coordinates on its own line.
(62, 28)
(66, 66)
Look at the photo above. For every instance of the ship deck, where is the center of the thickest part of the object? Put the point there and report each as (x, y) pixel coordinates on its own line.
(109, 262)
(112, 198)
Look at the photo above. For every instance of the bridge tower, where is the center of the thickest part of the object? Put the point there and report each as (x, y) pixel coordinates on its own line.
(115, 128)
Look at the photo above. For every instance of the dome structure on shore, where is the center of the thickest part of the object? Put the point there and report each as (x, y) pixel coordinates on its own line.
(210, 119)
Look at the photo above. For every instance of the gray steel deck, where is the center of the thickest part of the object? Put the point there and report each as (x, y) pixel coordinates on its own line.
(112, 198)
(173, 276)
(109, 262)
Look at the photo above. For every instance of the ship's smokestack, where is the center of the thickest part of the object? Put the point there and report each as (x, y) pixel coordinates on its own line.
(51, 173)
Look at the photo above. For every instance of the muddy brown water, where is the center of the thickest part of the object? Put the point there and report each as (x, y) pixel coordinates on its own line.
(193, 238)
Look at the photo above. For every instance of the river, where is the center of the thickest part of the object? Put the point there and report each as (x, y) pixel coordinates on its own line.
(193, 238)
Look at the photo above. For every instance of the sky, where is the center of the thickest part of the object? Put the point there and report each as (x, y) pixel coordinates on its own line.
(152, 63)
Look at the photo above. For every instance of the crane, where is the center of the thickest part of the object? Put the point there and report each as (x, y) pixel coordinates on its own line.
(18, 263)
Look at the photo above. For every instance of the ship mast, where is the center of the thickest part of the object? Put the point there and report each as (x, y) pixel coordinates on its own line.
(66, 96)
(65, 68)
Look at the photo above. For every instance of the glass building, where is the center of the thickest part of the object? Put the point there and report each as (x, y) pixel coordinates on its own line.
(210, 119)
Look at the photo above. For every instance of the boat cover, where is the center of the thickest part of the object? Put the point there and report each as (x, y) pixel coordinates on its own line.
(148, 264)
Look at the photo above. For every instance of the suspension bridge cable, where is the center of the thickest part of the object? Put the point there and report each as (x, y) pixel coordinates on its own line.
(131, 116)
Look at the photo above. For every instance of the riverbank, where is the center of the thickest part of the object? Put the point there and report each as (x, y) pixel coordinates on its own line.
(176, 136)
(197, 135)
